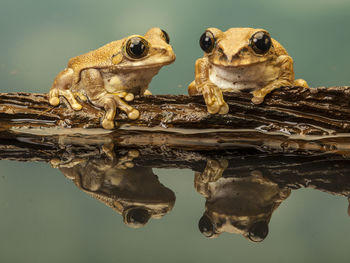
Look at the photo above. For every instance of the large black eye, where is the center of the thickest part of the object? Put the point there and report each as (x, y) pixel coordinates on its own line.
(166, 37)
(207, 41)
(258, 232)
(260, 42)
(137, 216)
(137, 47)
(206, 226)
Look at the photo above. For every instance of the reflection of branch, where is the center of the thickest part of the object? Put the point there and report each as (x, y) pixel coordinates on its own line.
(324, 171)
(293, 110)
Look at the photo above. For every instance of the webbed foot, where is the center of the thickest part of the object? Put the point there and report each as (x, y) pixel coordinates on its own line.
(113, 101)
(61, 87)
(69, 95)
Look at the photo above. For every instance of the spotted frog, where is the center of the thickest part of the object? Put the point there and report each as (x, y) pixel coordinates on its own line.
(113, 74)
(240, 59)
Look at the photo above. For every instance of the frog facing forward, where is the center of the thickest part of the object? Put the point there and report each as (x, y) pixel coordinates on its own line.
(113, 74)
(240, 59)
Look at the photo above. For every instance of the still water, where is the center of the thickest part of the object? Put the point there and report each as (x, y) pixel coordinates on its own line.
(87, 203)
(60, 207)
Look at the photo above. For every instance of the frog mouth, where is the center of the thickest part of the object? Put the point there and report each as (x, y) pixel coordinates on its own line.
(238, 63)
(146, 66)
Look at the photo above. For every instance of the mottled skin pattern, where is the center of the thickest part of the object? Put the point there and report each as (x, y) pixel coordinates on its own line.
(108, 76)
(233, 65)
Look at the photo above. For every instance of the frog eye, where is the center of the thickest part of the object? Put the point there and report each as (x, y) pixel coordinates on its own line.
(166, 37)
(207, 41)
(137, 216)
(260, 42)
(206, 226)
(137, 47)
(258, 232)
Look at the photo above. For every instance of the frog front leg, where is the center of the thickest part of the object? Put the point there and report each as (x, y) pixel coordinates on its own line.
(285, 78)
(202, 85)
(212, 172)
(94, 87)
(62, 87)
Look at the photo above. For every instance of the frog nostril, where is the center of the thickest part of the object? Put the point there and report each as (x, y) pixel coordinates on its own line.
(235, 57)
(223, 57)
(243, 51)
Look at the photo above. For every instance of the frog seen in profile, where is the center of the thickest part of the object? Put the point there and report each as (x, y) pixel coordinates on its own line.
(240, 59)
(112, 177)
(113, 74)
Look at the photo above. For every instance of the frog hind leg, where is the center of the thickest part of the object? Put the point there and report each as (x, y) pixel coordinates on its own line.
(109, 101)
(62, 87)
(285, 78)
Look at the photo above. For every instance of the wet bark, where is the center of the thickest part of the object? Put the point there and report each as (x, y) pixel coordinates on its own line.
(290, 110)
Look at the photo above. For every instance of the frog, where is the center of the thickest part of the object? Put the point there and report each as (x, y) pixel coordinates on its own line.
(238, 202)
(112, 75)
(111, 175)
(240, 60)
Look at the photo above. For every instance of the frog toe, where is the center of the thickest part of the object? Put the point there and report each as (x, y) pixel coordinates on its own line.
(54, 101)
(107, 124)
(129, 97)
(257, 100)
(76, 106)
(213, 108)
(134, 114)
(133, 153)
(224, 109)
(147, 93)
(301, 83)
(53, 97)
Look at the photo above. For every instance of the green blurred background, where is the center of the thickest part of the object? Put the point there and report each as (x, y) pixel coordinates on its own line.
(45, 218)
(39, 36)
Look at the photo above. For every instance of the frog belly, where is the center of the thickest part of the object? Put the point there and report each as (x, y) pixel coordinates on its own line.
(240, 78)
(135, 81)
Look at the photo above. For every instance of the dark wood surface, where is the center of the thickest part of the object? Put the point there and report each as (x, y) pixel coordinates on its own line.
(290, 110)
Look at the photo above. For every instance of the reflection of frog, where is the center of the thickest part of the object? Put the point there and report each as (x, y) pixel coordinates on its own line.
(116, 71)
(237, 205)
(240, 59)
(135, 192)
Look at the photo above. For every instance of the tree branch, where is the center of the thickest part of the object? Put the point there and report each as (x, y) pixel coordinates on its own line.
(290, 110)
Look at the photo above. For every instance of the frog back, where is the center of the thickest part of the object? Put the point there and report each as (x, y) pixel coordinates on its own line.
(98, 58)
(279, 49)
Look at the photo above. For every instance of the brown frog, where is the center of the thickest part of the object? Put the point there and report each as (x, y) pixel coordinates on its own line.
(240, 59)
(240, 203)
(132, 191)
(114, 73)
